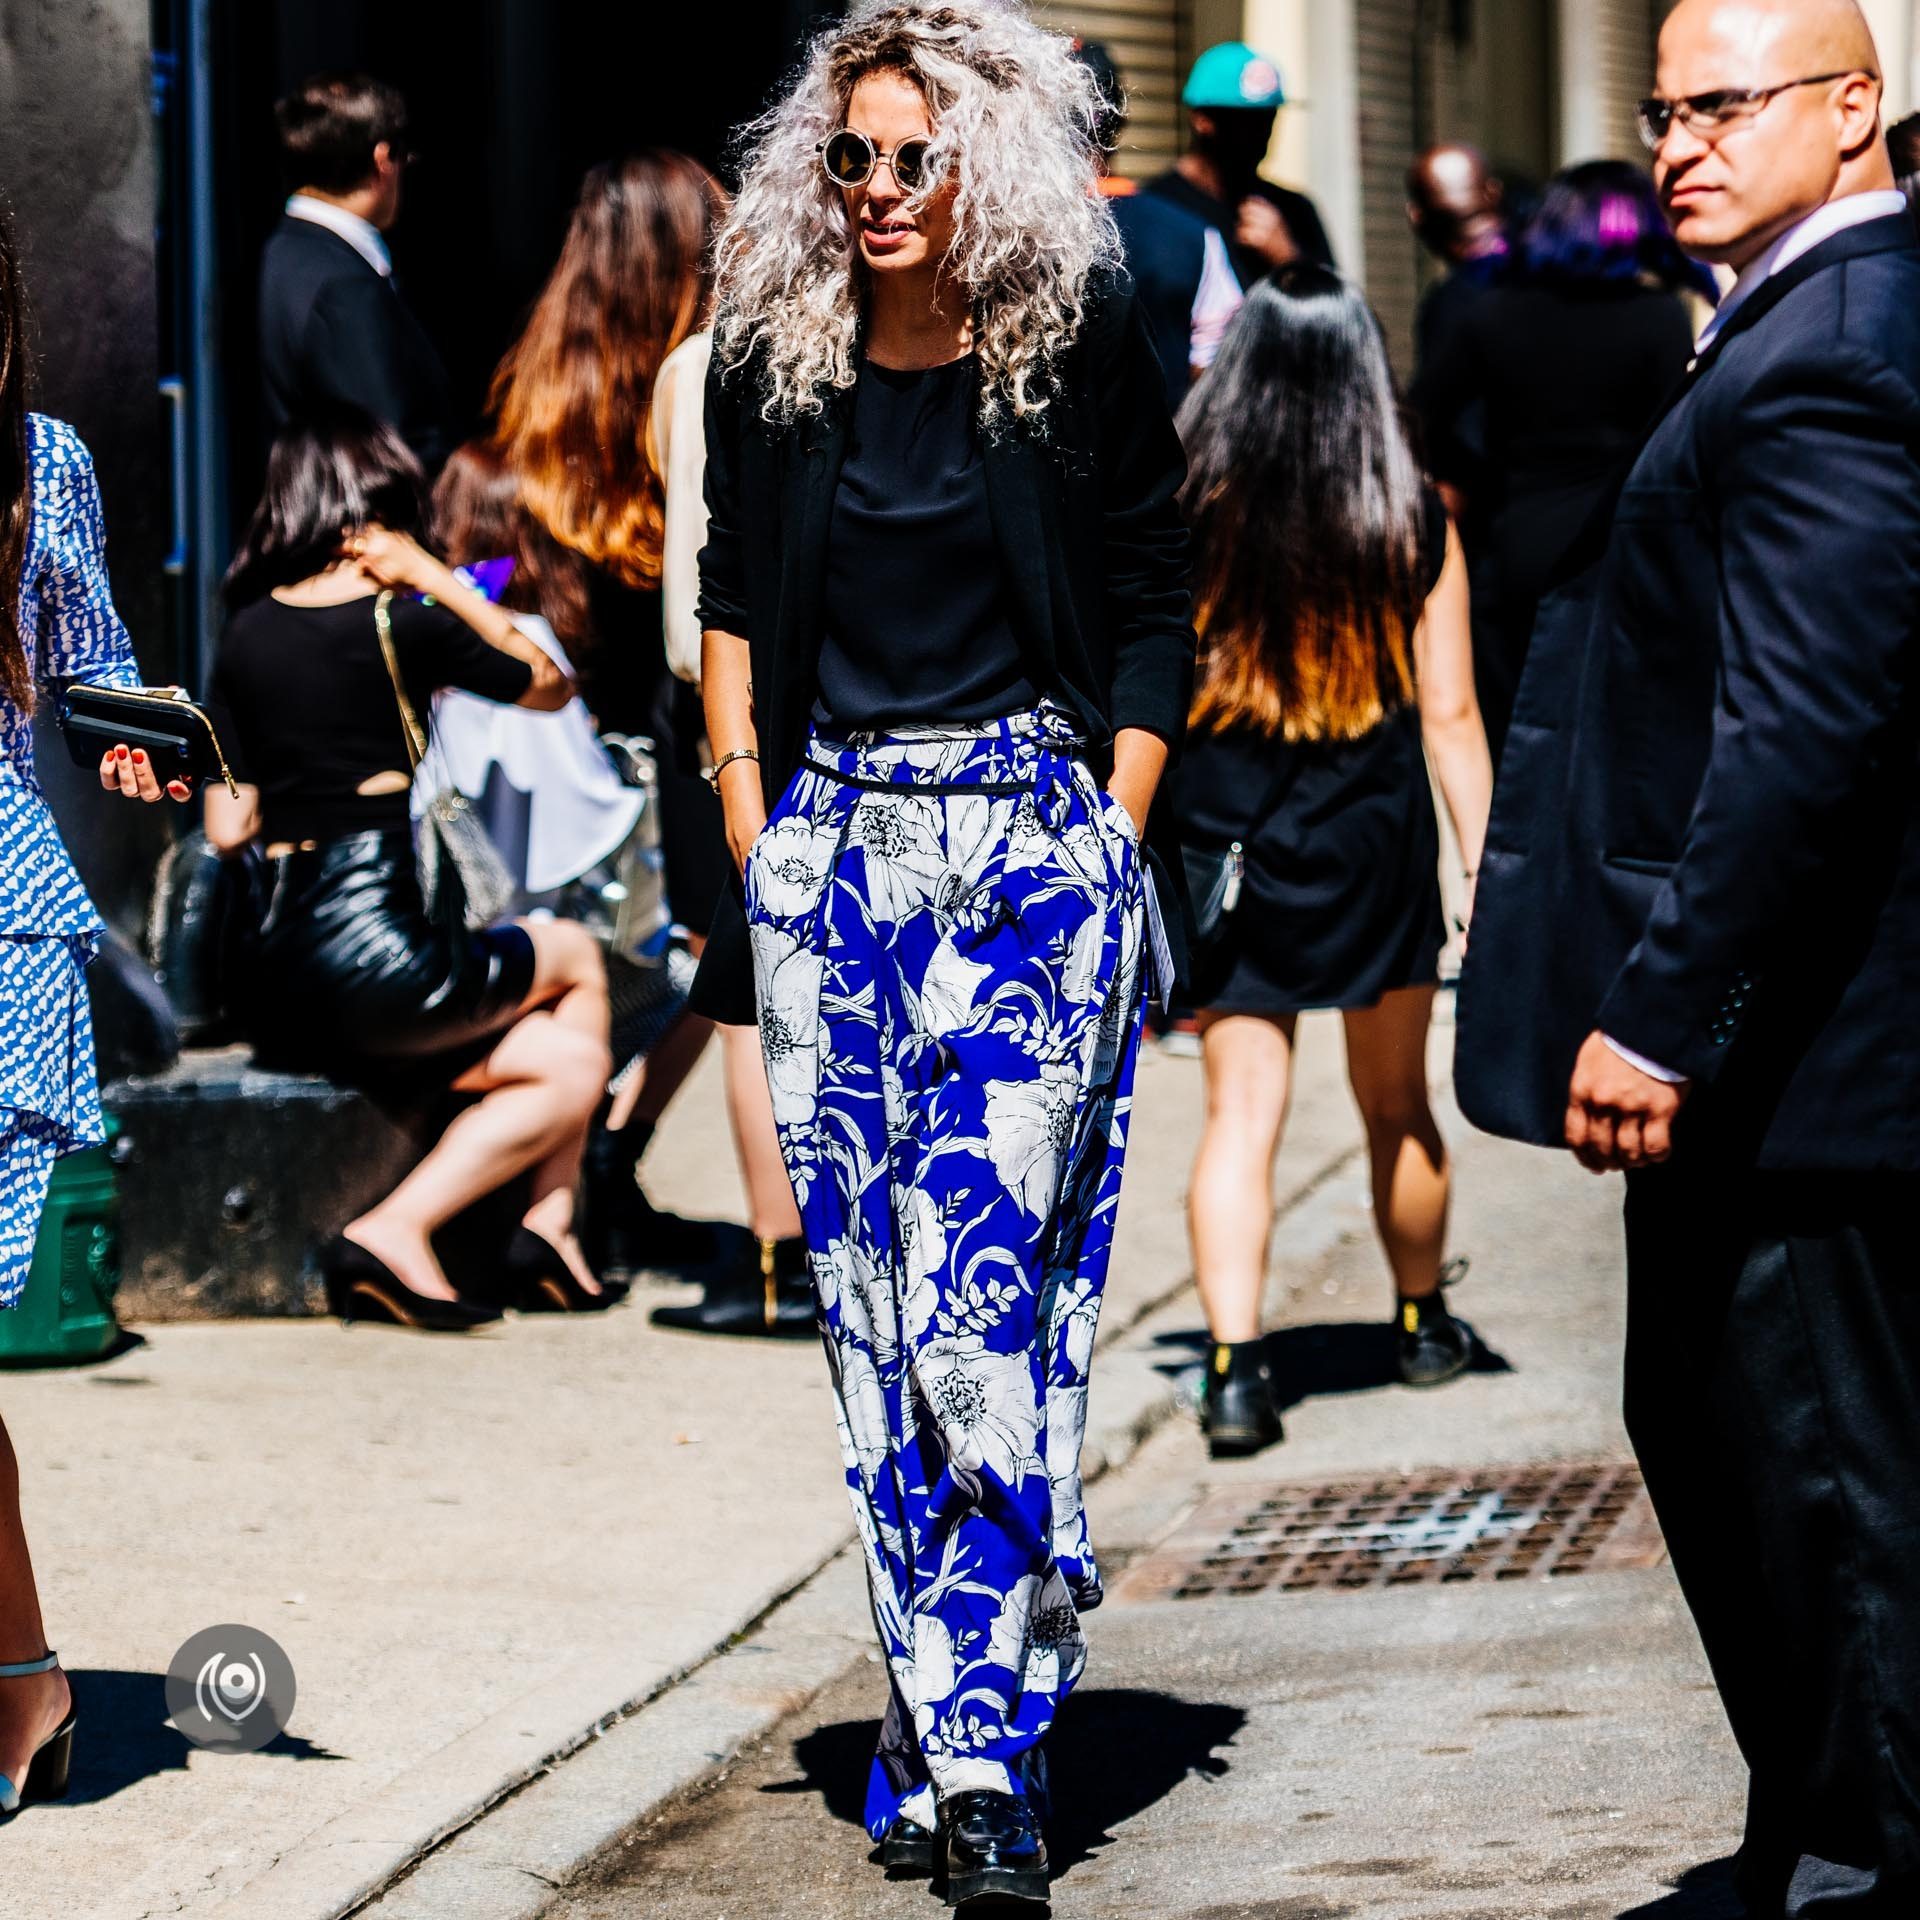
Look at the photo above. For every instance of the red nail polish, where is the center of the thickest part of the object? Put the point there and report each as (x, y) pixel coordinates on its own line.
(121, 751)
(139, 758)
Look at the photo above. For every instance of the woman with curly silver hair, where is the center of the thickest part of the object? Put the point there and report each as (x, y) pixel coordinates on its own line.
(947, 646)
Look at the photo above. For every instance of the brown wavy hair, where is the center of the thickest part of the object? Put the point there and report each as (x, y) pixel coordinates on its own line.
(572, 398)
(1308, 518)
(16, 477)
(480, 513)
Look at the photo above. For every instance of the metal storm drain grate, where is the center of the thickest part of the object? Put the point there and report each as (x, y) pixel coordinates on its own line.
(1532, 1523)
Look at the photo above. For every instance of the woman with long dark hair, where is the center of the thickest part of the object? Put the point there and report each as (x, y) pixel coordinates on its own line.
(57, 625)
(581, 405)
(352, 977)
(1335, 656)
(946, 649)
(1563, 362)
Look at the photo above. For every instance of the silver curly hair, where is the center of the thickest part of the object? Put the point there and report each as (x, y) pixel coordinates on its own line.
(1015, 124)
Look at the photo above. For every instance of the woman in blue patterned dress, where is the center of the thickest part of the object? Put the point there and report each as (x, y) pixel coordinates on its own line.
(946, 648)
(57, 623)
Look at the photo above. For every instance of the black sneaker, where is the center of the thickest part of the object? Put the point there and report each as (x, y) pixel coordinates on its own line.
(1242, 1410)
(1435, 1346)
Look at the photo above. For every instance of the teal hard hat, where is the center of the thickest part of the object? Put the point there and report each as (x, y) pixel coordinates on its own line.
(1234, 75)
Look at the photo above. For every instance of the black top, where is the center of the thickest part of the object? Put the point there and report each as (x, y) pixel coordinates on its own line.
(334, 331)
(916, 627)
(1706, 834)
(309, 711)
(1301, 215)
(1092, 555)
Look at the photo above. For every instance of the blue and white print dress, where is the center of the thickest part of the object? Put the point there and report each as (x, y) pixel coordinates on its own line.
(49, 1101)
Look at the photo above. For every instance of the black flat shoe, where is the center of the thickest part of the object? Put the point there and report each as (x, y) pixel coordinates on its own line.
(907, 1851)
(361, 1287)
(543, 1282)
(1435, 1346)
(771, 1299)
(1242, 1411)
(994, 1852)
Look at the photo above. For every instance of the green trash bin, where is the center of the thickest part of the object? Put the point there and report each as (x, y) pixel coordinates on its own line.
(66, 1311)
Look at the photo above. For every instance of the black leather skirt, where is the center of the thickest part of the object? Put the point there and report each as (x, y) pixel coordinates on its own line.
(349, 977)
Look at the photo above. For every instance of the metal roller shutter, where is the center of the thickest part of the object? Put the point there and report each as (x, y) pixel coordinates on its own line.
(1149, 41)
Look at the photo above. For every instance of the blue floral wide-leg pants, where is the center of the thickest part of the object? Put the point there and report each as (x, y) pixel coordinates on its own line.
(948, 929)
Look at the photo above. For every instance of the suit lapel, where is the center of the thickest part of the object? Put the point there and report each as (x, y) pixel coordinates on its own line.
(1850, 243)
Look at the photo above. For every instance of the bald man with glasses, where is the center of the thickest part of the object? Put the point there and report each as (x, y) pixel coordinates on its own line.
(1696, 941)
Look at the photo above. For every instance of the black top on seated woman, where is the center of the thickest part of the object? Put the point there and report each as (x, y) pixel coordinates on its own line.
(349, 971)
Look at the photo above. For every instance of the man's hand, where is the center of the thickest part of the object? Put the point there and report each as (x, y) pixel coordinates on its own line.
(1262, 228)
(1619, 1118)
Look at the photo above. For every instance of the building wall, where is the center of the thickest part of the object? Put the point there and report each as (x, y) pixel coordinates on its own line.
(78, 165)
(1152, 42)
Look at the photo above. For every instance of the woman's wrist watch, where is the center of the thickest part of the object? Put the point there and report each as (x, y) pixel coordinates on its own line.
(711, 775)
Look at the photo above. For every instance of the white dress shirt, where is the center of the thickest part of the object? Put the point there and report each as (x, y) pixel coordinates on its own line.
(361, 235)
(1851, 210)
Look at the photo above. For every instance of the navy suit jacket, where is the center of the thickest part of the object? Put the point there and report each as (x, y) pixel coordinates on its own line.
(334, 331)
(1706, 832)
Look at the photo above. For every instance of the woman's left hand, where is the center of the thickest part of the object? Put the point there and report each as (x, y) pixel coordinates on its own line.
(393, 559)
(127, 770)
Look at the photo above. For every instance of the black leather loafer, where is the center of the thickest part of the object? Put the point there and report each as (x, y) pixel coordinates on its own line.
(907, 1851)
(994, 1852)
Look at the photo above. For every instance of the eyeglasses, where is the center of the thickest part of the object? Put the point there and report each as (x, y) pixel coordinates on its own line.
(1711, 114)
(849, 160)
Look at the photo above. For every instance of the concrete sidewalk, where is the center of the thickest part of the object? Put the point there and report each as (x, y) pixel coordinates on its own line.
(475, 1552)
(1490, 1750)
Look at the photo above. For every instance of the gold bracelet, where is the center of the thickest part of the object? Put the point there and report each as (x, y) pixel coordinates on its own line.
(711, 775)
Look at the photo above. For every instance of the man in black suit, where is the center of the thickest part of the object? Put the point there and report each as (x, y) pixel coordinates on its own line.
(1696, 950)
(333, 328)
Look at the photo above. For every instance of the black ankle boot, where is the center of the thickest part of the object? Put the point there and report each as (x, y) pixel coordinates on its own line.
(1435, 1345)
(1243, 1402)
(621, 1230)
(769, 1294)
(994, 1851)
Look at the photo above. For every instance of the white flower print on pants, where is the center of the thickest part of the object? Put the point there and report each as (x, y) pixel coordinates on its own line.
(948, 931)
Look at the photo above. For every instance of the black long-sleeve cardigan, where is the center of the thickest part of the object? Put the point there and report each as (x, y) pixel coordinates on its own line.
(1092, 550)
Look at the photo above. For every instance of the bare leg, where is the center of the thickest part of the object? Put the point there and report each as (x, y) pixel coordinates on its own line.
(32, 1706)
(645, 1094)
(1387, 1066)
(542, 1082)
(1249, 1070)
(771, 1212)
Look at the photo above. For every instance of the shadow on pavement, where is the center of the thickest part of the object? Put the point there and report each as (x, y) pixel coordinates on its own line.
(1163, 1741)
(1345, 1356)
(123, 1734)
(1701, 1893)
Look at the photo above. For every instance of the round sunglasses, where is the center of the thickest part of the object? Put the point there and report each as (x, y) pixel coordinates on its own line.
(849, 159)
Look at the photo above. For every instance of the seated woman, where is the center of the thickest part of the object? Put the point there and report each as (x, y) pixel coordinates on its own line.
(350, 976)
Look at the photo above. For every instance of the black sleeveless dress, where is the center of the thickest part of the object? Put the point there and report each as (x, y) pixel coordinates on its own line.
(1340, 902)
